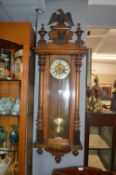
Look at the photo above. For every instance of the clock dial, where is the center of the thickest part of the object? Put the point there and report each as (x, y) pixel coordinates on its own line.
(60, 69)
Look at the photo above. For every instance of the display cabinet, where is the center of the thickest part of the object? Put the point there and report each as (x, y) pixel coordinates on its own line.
(100, 140)
(16, 97)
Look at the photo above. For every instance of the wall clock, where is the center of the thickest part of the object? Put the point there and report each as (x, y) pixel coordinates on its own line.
(58, 123)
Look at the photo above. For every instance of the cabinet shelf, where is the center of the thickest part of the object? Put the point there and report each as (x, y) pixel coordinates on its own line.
(95, 161)
(8, 115)
(97, 142)
(7, 150)
(10, 80)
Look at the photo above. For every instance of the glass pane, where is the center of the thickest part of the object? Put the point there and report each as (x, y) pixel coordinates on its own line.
(100, 159)
(105, 156)
(101, 135)
(106, 133)
(100, 141)
(59, 107)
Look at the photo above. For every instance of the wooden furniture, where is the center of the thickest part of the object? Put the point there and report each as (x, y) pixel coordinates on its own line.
(13, 37)
(58, 124)
(100, 140)
(81, 171)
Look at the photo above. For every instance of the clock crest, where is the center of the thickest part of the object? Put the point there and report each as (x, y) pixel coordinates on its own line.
(58, 123)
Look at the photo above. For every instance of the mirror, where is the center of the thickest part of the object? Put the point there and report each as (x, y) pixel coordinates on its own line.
(102, 56)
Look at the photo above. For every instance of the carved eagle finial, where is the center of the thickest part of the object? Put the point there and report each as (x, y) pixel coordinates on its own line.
(61, 18)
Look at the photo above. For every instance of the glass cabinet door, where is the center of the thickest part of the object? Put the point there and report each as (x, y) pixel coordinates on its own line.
(100, 147)
(10, 100)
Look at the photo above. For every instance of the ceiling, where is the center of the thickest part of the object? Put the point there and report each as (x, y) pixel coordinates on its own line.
(20, 10)
(103, 44)
(101, 2)
(101, 40)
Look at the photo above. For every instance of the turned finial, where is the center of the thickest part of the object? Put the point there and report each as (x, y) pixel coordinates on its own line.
(78, 32)
(42, 34)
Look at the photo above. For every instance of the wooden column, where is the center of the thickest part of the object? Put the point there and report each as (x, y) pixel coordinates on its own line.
(76, 138)
(40, 121)
(41, 63)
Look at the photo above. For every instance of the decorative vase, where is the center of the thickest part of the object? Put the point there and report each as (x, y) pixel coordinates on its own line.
(4, 64)
(14, 136)
(2, 67)
(14, 165)
(4, 163)
(2, 136)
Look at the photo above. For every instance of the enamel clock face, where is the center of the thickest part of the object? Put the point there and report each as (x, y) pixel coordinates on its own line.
(60, 69)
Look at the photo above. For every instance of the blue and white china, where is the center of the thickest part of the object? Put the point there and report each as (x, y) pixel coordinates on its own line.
(16, 107)
(9, 106)
(6, 104)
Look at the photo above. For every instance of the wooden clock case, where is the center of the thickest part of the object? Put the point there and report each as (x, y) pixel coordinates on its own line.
(59, 46)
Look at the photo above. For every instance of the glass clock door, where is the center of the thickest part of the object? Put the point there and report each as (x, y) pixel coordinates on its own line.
(59, 99)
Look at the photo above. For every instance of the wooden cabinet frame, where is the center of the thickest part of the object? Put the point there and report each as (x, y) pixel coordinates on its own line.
(21, 33)
(101, 120)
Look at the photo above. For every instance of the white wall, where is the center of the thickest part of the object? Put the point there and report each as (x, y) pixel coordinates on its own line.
(106, 72)
(44, 164)
(104, 68)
